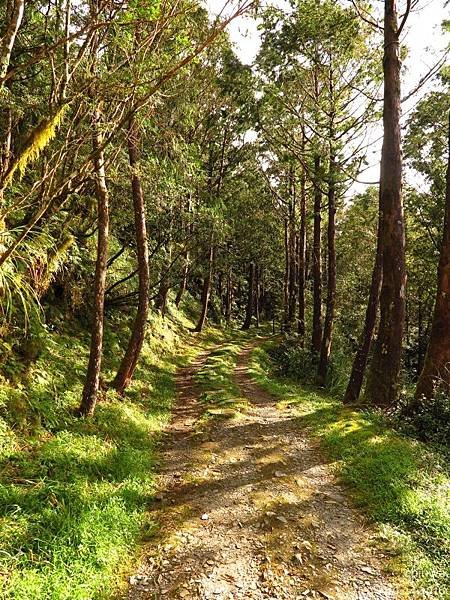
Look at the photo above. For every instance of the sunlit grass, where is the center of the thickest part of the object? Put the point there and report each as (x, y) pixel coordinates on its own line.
(400, 483)
(220, 396)
(74, 492)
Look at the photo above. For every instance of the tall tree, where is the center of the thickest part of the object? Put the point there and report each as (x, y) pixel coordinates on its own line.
(92, 381)
(130, 359)
(436, 369)
(383, 383)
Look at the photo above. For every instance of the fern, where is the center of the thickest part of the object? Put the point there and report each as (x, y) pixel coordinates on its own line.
(36, 142)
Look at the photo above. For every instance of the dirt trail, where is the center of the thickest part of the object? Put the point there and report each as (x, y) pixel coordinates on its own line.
(250, 510)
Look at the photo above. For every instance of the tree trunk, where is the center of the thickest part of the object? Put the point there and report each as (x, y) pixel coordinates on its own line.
(9, 37)
(183, 284)
(325, 348)
(206, 291)
(184, 280)
(292, 240)
(360, 361)
(383, 383)
(257, 293)
(302, 261)
(163, 291)
(250, 298)
(229, 296)
(286, 275)
(130, 359)
(436, 370)
(316, 266)
(92, 382)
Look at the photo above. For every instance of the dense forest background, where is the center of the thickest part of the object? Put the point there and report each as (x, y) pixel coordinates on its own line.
(144, 169)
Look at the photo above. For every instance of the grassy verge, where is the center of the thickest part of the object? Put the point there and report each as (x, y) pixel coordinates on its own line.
(73, 492)
(401, 484)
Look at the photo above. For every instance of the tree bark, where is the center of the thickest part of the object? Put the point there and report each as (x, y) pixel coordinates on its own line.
(206, 291)
(229, 296)
(92, 382)
(383, 383)
(436, 369)
(9, 37)
(186, 257)
(302, 261)
(250, 297)
(316, 266)
(257, 294)
(130, 359)
(325, 348)
(163, 291)
(286, 274)
(354, 385)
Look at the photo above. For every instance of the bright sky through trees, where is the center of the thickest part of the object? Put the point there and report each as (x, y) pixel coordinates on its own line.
(423, 36)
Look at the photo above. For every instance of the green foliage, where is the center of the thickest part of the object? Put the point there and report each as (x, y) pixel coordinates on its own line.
(401, 484)
(430, 421)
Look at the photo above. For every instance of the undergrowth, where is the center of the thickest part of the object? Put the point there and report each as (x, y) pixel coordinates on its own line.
(402, 485)
(74, 492)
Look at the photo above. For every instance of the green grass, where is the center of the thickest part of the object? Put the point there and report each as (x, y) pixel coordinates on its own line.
(74, 492)
(219, 394)
(401, 484)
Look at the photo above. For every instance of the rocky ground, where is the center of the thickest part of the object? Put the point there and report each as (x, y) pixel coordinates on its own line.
(249, 509)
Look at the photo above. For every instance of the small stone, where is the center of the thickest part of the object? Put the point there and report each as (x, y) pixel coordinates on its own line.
(368, 570)
(279, 474)
(204, 517)
(281, 519)
(298, 558)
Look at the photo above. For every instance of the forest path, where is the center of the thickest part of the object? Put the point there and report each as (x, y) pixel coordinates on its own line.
(249, 509)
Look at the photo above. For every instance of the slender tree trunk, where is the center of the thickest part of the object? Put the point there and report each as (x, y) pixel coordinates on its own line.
(257, 293)
(325, 348)
(286, 275)
(383, 382)
(302, 261)
(92, 382)
(163, 291)
(130, 359)
(206, 291)
(229, 296)
(354, 385)
(184, 280)
(183, 284)
(250, 297)
(316, 266)
(420, 357)
(436, 369)
(9, 36)
(292, 283)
